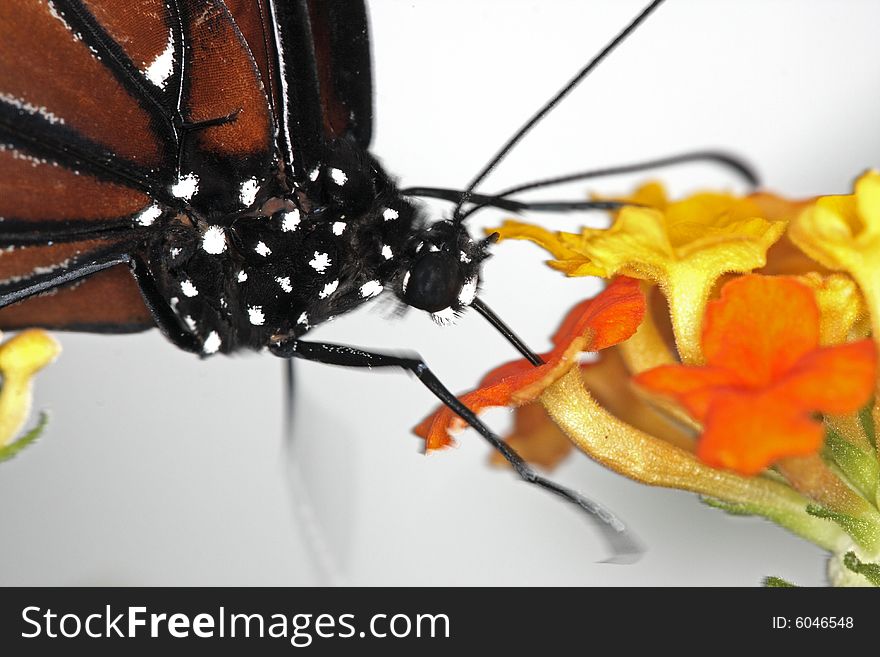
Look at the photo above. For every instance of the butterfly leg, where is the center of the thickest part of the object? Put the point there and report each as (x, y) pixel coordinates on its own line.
(614, 530)
(164, 316)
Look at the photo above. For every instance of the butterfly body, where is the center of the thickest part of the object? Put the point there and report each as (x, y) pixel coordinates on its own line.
(233, 180)
(285, 265)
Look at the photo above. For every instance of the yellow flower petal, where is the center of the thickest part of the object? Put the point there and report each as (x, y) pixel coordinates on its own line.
(645, 350)
(843, 233)
(21, 358)
(682, 246)
(518, 230)
(651, 194)
(841, 307)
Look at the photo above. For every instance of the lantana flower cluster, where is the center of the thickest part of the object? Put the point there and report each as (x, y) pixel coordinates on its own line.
(737, 342)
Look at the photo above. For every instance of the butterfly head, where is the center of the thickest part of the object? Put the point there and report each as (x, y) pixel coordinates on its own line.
(441, 271)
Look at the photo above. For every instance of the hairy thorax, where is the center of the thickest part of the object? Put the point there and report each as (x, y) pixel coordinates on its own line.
(286, 264)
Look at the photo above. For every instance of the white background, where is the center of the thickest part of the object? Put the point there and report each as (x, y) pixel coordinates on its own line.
(161, 469)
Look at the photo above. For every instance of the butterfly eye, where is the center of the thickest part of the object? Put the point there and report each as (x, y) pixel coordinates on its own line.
(433, 282)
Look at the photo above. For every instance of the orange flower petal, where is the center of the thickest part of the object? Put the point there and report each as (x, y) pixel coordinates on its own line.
(748, 431)
(834, 380)
(766, 375)
(607, 319)
(692, 387)
(760, 327)
(610, 317)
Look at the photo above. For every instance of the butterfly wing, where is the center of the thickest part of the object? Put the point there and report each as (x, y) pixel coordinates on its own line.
(322, 76)
(342, 53)
(104, 106)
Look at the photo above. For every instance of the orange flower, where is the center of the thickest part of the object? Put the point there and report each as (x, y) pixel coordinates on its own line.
(610, 317)
(765, 375)
(541, 442)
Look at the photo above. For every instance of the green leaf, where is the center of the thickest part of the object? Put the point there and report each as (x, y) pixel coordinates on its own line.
(772, 582)
(870, 571)
(863, 531)
(860, 468)
(867, 420)
(31, 436)
(733, 508)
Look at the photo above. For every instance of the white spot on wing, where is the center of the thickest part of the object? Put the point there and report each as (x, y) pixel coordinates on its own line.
(262, 249)
(31, 109)
(320, 262)
(186, 187)
(284, 282)
(468, 291)
(291, 220)
(54, 13)
(390, 214)
(242, 276)
(405, 280)
(214, 240)
(175, 252)
(212, 343)
(248, 192)
(338, 176)
(314, 173)
(147, 216)
(256, 316)
(387, 253)
(188, 288)
(329, 289)
(371, 289)
(303, 319)
(339, 227)
(160, 70)
(190, 323)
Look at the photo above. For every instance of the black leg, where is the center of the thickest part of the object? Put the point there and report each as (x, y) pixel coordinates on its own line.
(625, 546)
(165, 318)
(289, 391)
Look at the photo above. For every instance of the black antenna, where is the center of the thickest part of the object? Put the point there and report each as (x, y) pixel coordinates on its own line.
(501, 201)
(550, 105)
(732, 162)
(453, 195)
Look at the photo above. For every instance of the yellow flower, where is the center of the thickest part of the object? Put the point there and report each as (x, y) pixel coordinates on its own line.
(682, 246)
(841, 307)
(843, 233)
(20, 359)
(676, 402)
